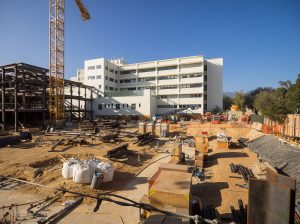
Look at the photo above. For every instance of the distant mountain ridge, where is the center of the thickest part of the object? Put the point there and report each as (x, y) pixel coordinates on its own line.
(230, 94)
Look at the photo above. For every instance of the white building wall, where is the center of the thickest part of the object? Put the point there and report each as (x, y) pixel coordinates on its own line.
(187, 77)
(214, 83)
(144, 105)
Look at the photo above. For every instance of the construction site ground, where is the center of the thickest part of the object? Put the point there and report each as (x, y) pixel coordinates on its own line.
(131, 176)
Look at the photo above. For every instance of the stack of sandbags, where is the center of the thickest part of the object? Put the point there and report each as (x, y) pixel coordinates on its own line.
(83, 171)
(68, 167)
(107, 171)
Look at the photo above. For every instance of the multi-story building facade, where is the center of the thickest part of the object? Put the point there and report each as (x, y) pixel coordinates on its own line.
(167, 85)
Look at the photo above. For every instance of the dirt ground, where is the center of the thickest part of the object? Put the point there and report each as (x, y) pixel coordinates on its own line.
(25, 160)
(131, 176)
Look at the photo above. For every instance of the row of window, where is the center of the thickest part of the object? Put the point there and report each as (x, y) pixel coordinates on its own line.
(166, 106)
(93, 77)
(192, 106)
(110, 88)
(94, 67)
(182, 86)
(145, 69)
(174, 96)
(127, 80)
(118, 106)
(147, 79)
(133, 71)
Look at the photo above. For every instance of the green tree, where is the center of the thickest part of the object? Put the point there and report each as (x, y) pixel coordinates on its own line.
(250, 96)
(272, 104)
(239, 99)
(227, 102)
(293, 96)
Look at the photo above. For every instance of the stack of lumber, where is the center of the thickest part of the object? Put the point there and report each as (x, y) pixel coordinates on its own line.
(106, 124)
(144, 139)
(119, 151)
(86, 126)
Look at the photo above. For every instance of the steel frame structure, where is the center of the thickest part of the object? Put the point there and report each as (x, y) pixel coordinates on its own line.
(24, 97)
(56, 59)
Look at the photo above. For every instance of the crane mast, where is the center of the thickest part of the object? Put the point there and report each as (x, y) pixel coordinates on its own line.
(56, 55)
(56, 59)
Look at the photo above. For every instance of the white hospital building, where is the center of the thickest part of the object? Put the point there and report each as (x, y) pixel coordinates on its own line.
(160, 86)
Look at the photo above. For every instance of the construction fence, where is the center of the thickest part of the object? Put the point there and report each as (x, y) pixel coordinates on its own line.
(290, 128)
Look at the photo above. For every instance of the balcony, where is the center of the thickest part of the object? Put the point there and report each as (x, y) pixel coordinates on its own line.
(168, 82)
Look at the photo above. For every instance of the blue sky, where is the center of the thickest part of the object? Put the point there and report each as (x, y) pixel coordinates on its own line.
(259, 39)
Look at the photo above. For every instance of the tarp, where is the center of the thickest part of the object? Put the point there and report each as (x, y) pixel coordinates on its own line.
(279, 154)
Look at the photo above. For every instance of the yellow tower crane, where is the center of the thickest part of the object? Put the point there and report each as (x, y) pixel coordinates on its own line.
(56, 55)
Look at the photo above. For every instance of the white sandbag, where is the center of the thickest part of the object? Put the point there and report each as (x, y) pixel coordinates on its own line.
(67, 170)
(83, 173)
(107, 171)
(93, 162)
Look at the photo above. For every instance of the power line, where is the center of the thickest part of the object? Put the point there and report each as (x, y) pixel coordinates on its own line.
(105, 197)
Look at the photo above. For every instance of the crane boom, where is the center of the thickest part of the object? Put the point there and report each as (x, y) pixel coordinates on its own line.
(84, 13)
(57, 54)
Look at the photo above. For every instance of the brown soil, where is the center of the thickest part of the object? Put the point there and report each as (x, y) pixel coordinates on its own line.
(37, 164)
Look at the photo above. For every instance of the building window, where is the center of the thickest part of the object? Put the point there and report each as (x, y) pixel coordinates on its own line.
(147, 79)
(106, 68)
(91, 77)
(116, 81)
(116, 72)
(205, 68)
(111, 88)
(167, 68)
(117, 106)
(133, 106)
(91, 67)
(99, 86)
(167, 77)
(99, 96)
(166, 96)
(127, 72)
(111, 70)
(124, 105)
(111, 79)
(146, 87)
(99, 106)
(146, 70)
(190, 95)
(98, 77)
(127, 80)
(195, 85)
(167, 106)
(140, 105)
(127, 105)
(106, 78)
(191, 75)
(98, 66)
(167, 87)
(192, 106)
(106, 87)
(191, 65)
